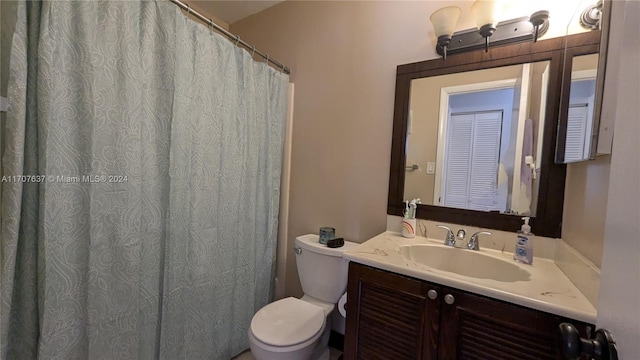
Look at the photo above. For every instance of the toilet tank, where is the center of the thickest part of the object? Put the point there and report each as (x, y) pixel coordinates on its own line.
(322, 270)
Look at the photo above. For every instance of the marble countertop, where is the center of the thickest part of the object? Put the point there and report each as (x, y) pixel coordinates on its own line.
(548, 288)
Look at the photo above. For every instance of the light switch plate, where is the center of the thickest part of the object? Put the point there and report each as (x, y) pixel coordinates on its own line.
(431, 168)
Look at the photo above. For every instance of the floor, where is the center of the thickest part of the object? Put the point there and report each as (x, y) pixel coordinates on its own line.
(335, 355)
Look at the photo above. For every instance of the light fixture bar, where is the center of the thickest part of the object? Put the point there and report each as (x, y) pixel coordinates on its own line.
(507, 32)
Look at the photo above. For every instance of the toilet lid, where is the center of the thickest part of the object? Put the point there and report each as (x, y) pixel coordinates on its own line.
(287, 322)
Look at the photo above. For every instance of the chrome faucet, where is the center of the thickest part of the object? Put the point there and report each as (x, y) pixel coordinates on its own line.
(450, 240)
(458, 241)
(473, 242)
(453, 240)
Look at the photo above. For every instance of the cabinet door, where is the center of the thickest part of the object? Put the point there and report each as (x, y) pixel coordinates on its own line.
(390, 316)
(475, 327)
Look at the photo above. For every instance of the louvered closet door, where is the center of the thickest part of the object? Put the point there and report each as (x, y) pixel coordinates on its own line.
(471, 161)
(576, 131)
(485, 155)
(458, 161)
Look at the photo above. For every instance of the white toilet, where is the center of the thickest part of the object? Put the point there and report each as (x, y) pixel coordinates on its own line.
(298, 329)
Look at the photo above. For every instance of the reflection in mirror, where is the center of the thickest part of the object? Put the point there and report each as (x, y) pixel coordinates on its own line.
(580, 120)
(474, 138)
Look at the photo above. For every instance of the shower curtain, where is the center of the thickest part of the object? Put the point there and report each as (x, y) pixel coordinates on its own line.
(150, 231)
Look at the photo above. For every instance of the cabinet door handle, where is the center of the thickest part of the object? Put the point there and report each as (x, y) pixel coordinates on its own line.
(449, 299)
(432, 294)
(603, 347)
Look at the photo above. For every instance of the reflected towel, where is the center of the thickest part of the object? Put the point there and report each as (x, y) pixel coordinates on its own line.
(526, 177)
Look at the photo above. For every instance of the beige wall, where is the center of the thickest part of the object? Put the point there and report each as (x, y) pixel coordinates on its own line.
(422, 139)
(585, 206)
(343, 57)
(585, 62)
(198, 6)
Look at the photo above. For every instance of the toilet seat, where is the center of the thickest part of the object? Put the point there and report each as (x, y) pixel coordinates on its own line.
(288, 322)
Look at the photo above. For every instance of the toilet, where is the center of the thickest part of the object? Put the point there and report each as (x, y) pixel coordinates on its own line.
(298, 329)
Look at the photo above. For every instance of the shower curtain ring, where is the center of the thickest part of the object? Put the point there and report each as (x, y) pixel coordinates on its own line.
(267, 57)
(188, 9)
(211, 24)
(253, 51)
(237, 39)
(283, 68)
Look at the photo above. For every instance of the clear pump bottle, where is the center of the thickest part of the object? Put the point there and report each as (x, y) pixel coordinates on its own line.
(523, 252)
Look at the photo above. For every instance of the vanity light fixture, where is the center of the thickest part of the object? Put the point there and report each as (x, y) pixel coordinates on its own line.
(486, 14)
(539, 19)
(590, 16)
(444, 24)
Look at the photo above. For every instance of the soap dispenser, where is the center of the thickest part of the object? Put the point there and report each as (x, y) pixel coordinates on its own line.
(524, 246)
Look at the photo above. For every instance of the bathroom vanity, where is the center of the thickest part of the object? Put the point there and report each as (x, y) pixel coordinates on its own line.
(477, 138)
(399, 307)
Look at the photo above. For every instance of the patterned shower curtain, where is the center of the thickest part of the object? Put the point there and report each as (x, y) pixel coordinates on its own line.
(149, 227)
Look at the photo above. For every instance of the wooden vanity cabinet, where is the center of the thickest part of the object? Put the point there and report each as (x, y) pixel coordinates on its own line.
(391, 316)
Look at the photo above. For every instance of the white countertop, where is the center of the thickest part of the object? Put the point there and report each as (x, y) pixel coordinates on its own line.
(548, 289)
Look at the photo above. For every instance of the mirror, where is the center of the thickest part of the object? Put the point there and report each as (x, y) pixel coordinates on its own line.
(584, 130)
(457, 145)
(474, 139)
(577, 124)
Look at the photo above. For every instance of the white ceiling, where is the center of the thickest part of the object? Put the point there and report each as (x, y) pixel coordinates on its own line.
(231, 11)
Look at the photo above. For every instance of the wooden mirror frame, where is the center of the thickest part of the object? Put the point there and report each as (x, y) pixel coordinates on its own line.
(548, 219)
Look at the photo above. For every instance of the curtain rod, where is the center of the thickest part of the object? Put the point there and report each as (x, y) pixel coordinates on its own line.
(231, 36)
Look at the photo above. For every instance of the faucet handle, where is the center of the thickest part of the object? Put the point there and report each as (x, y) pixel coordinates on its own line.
(473, 242)
(450, 239)
(461, 234)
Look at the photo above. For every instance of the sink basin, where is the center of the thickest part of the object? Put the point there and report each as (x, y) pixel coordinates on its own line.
(464, 262)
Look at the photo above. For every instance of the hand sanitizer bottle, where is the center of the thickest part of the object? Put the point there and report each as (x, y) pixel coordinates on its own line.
(524, 247)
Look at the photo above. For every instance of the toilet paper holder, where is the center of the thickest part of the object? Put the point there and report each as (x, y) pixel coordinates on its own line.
(342, 305)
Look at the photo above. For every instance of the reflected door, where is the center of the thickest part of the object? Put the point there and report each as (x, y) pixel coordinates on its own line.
(580, 120)
(471, 161)
(575, 147)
